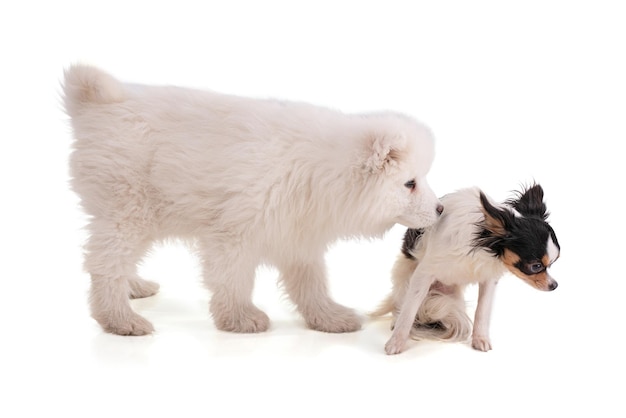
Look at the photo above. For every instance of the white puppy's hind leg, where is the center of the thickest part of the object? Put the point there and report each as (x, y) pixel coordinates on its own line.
(230, 275)
(480, 334)
(111, 259)
(307, 287)
(140, 288)
(413, 299)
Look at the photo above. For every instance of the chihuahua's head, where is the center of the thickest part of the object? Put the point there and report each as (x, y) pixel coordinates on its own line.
(519, 235)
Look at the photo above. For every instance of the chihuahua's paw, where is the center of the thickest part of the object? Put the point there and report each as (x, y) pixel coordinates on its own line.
(395, 345)
(481, 343)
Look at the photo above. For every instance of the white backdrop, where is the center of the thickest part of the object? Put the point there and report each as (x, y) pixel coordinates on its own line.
(514, 93)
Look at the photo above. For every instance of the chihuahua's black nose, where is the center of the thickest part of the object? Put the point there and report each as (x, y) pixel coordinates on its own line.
(440, 208)
(553, 285)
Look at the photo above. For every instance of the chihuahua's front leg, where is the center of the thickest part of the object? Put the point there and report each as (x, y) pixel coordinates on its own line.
(413, 299)
(480, 334)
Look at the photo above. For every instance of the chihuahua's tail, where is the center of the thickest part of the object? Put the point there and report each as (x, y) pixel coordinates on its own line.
(385, 307)
(442, 317)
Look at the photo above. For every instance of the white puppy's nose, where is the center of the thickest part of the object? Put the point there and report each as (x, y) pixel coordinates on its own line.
(439, 208)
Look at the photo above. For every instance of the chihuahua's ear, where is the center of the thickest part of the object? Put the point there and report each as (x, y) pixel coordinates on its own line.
(382, 152)
(530, 202)
(497, 221)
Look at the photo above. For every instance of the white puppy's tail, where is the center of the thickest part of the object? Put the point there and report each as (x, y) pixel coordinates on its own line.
(442, 317)
(85, 84)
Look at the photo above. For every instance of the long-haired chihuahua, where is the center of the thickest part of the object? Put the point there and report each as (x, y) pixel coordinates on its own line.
(475, 241)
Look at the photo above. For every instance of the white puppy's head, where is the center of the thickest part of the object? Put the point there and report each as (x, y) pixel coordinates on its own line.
(398, 156)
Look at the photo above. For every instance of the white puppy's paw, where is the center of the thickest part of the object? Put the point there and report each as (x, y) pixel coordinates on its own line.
(128, 324)
(248, 320)
(481, 343)
(140, 288)
(334, 318)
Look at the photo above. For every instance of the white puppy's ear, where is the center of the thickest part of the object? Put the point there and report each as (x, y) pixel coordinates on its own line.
(382, 152)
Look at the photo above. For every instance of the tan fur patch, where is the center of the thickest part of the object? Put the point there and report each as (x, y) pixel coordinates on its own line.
(494, 225)
(510, 258)
(539, 281)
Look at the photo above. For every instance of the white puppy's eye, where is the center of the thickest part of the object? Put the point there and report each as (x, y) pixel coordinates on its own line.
(410, 184)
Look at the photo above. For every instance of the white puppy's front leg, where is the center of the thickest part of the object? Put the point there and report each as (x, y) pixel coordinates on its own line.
(480, 334)
(306, 285)
(413, 299)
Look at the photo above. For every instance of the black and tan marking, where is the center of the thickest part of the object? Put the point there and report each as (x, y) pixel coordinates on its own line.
(411, 237)
(524, 241)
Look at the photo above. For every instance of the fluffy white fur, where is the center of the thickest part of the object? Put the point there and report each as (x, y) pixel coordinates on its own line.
(429, 289)
(246, 181)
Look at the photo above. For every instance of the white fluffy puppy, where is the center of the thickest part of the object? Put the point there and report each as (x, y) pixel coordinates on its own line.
(247, 181)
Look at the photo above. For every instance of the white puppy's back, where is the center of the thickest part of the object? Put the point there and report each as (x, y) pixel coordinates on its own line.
(241, 156)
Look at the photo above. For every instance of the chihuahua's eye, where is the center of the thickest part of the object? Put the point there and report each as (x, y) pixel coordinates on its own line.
(536, 268)
(410, 184)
